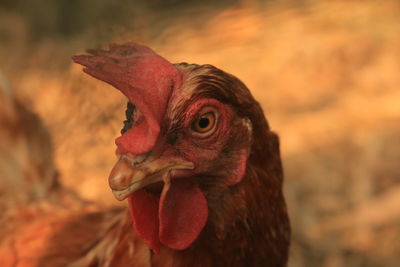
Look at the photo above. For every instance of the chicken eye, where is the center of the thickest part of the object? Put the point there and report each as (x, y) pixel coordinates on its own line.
(205, 124)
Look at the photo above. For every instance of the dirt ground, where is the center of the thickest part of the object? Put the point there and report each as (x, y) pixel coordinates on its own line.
(327, 74)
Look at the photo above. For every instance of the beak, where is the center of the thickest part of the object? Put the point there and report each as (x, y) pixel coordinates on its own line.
(132, 173)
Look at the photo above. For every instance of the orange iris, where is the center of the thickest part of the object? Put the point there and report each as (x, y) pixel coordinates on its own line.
(205, 123)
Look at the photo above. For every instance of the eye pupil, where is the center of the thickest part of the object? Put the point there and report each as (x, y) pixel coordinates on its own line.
(204, 122)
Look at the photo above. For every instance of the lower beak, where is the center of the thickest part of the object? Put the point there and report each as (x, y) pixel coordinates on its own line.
(127, 176)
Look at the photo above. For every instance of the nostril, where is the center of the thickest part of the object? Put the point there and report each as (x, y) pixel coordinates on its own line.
(141, 158)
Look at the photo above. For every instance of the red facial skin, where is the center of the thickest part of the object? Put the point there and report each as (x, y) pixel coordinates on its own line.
(202, 149)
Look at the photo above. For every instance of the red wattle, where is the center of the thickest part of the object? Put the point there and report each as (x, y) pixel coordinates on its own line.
(144, 211)
(183, 213)
(175, 220)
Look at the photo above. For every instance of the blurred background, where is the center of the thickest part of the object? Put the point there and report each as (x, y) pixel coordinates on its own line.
(327, 74)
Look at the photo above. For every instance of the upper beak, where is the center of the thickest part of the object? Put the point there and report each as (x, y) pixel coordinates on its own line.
(132, 173)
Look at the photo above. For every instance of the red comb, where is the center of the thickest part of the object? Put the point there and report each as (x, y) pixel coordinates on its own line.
(145, 78)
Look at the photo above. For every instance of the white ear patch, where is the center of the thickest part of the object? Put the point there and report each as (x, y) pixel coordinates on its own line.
(247, 125)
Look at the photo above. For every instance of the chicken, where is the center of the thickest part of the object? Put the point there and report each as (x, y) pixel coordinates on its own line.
(198, 165)
(24, 149)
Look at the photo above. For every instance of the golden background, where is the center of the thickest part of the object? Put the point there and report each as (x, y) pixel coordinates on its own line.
(327, 74)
